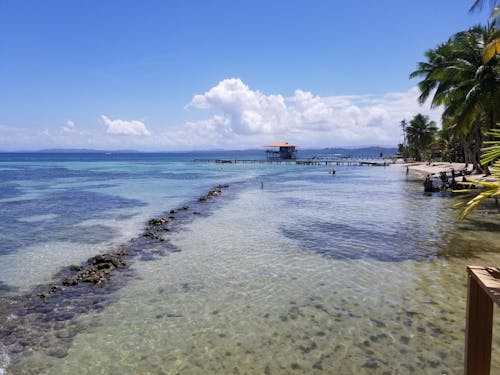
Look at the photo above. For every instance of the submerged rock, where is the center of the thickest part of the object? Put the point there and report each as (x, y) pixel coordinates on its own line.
(46, 317)
(213, 193)
(97, 269)
(159, 221)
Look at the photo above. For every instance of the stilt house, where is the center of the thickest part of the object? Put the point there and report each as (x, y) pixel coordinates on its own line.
(280, 150)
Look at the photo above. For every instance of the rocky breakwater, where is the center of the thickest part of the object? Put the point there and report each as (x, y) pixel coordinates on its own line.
(157, 226)
(97, 268)
(46, 318)
(213, 193)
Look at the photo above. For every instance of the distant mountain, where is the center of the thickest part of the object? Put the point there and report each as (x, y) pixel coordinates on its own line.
(83, 151)
(372, 151)
(359, 151)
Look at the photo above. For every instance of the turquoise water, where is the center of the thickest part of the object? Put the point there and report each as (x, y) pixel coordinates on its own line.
(353, 273)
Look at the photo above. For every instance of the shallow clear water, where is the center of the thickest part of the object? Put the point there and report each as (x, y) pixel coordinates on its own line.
(353, 273)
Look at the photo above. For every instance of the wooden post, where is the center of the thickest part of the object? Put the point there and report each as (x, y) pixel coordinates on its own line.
(483, 288)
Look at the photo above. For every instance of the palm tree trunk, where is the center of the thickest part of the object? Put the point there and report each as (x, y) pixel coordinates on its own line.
(492, 125)
(476, 158)
(476, 149)
(467, 152)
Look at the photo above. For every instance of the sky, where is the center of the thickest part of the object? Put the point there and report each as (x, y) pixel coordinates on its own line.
(199, 75)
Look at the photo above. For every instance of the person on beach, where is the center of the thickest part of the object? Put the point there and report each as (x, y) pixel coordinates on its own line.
(428, 186)
(444, 179)
(453, 184)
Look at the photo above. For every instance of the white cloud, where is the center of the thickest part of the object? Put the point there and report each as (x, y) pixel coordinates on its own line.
(69, 127)
(123, 127)
(248, 111)
(233, 116)
(240, 115)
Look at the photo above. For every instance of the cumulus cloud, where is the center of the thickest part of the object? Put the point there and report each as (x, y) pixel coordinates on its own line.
(69, 127)
(232, 115)
(247, 111)
(238, 112)
(123, 127)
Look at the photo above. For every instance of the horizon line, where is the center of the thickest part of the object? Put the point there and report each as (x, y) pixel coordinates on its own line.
(90, 150)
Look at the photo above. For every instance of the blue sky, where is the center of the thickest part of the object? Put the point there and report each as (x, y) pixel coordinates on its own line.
(182, 75)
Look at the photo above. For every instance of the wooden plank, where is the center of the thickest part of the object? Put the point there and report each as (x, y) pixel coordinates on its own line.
(482, 289)
(489, 280)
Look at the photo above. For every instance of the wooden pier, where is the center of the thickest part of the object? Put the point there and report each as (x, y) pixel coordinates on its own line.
(483, 291)
(308, 161)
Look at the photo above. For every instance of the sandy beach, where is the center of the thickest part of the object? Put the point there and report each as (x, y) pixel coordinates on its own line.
(421, 170)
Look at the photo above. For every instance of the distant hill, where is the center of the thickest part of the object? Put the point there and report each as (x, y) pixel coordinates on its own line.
(83, 151)
(359, 151)
(372, 151)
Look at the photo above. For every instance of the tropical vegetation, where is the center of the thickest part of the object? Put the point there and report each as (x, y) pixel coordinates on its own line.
(419, 136)
(462, 75)
(455, 77)
(493, 47)
(490, 189)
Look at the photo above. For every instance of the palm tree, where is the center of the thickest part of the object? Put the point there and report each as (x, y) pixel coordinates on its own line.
(420, 134)
(450, 146)
(469, 89)
(404, 125)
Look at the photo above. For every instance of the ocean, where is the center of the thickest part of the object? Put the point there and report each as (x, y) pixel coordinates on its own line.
(289, 270)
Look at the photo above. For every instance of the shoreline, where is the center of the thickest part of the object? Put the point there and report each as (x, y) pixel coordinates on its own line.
(420, 170)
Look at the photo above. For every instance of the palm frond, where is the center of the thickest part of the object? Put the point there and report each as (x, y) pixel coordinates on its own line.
(496, 12)
(478, 5)
(490, 189)
(493, 152)
(491, 50)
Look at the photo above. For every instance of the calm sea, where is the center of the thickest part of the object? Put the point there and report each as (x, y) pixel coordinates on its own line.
(291, 270)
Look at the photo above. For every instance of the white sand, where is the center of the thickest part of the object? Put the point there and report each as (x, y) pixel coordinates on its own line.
(421, 170)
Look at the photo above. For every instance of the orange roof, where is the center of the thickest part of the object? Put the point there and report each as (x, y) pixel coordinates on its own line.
(279, 144)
